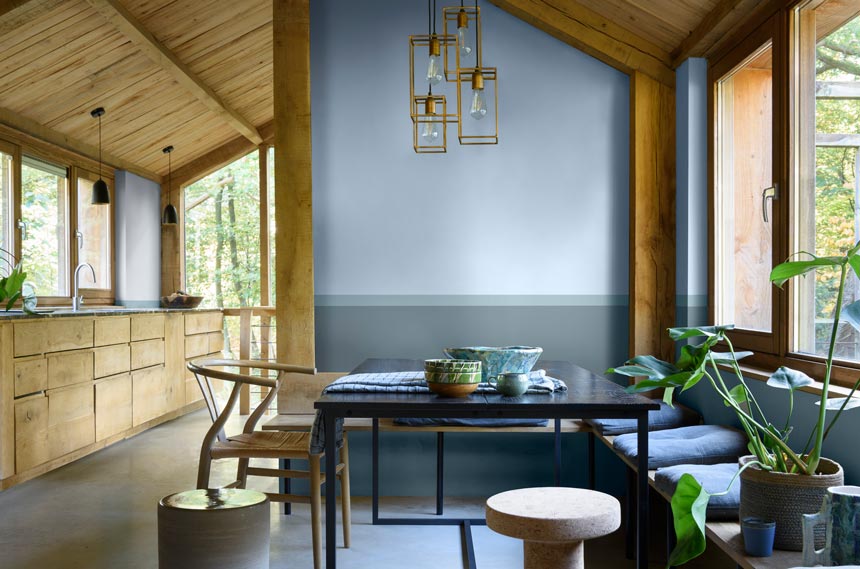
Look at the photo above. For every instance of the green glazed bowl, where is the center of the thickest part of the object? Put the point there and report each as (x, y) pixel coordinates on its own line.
(452, 366)
(452, 376)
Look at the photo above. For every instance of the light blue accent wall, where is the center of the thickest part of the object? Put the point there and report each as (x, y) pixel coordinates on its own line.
(525, 242)
(138, 240)
(691, 227)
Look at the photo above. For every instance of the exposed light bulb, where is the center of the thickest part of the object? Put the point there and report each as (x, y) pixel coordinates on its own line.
(435, 73)
(478, 109)
(463, 34)
(430, 133)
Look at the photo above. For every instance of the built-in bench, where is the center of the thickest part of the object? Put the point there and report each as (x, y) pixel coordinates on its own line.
(724, 534)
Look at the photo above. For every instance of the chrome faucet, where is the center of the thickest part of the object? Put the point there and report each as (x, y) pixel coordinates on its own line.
(78, 300)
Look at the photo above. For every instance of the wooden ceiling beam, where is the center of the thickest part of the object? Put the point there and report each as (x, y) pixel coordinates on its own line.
(31, 128)
(595, 35)
(713, 27)
(219, 157)
(131, 27)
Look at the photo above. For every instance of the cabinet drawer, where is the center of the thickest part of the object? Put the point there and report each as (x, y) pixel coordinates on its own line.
(202, 322)
(147, 326)
(147, 353)
(216, 342)
(71, 419)
(31, 376)
(52, 335)
(113, 406)
(111, 360)
(112, 330)
(151, 395)
(31, 432)
(196, 346)
(69, 368)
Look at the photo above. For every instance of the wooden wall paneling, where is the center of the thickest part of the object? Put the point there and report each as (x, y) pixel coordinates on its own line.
(293, 198)
(587, 31)
(120, 17)
(7, 405)
(652, 216)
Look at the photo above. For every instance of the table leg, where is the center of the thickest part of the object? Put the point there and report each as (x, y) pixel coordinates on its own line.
(440, 473)
(330, 500)
(284, 485)
(374, 501)
(557, 453)
(642, 493)
(592, 466)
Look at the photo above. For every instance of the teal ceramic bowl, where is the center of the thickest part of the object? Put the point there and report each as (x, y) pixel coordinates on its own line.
(452, 366)
(495, 361)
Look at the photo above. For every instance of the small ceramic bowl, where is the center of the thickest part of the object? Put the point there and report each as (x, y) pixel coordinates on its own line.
(455, 366)
(452, 378)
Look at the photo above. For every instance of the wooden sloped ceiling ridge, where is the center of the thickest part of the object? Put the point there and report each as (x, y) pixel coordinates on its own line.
(127, 24)
(595, 35)
(714, 28)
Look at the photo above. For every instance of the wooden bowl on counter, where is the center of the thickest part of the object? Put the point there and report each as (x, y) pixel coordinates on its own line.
(184, 301)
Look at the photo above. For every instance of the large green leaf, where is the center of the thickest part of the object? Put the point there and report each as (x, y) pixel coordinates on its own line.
(689, 506)
(661, 368)
(854, 260)
(851, 314)
(738, 393)
(694, 355)
(784, 271)
(727, 358)
(696, 331)
(791, 379)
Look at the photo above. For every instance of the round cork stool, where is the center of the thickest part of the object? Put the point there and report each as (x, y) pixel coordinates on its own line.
(553, 523)
(214, 529)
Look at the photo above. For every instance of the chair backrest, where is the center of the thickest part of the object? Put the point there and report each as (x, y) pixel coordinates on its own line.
(206, 370)
(298, 392)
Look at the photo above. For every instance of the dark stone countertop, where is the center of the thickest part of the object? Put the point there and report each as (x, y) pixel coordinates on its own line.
(63, 312)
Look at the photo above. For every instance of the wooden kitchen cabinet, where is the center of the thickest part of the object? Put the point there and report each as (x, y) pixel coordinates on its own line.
(71, 385)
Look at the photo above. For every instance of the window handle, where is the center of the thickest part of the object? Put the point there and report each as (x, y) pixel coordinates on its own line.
(22, 225)
(771, 193)
(80, 237)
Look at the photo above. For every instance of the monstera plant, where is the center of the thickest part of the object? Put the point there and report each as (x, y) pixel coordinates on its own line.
(13, 285)
(768, 440)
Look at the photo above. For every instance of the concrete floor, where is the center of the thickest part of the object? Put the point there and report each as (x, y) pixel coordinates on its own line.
(100, 512)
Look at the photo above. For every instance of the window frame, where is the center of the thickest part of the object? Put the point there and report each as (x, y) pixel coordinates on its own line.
(18, 145)
(771, 350)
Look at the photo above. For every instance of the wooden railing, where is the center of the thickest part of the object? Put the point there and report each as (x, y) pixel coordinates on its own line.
(254, 338)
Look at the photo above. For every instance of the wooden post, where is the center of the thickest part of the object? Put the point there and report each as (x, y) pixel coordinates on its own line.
(652, 215)
(263, 161)
(294, 259)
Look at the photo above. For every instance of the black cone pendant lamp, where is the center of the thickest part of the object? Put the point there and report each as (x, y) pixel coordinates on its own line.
(101, 195)
(169, 217)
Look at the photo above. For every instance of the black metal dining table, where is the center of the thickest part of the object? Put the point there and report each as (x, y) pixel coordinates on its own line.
(588, 396)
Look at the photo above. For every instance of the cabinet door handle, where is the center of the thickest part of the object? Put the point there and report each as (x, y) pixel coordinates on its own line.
(771, 193)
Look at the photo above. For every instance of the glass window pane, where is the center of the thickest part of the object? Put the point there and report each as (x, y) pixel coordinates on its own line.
(44, 239)
(828, 186)
(222, 235)
(744, 169)
(93, 236)
(6, 212)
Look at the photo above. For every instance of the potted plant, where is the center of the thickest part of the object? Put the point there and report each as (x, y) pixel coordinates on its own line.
(780, 475)
(13, 286)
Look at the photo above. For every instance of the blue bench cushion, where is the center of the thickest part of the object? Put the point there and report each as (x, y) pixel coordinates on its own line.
(664, 418)
(713, 478)
(699, 444)
(418, 422)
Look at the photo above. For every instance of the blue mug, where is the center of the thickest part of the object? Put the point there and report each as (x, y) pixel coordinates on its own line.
(839, 514)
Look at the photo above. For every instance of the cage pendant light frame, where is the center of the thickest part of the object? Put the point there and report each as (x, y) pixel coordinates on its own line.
(464, 81)
(420, 120)
(450, 16)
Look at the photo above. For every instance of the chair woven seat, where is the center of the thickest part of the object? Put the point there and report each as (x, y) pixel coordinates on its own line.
(263, 444)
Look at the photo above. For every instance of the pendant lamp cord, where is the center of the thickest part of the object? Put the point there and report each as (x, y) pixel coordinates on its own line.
(434, 17)
(429, 18)
(100, 147)
(477, 41)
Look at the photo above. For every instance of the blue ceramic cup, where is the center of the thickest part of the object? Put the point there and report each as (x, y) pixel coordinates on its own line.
(758, 536)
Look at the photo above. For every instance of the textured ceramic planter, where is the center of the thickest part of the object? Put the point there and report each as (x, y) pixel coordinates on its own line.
(784, 498)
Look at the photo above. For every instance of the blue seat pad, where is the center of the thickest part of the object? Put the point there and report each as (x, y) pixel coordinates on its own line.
(699, 444)
(713, 478)
(666, 417)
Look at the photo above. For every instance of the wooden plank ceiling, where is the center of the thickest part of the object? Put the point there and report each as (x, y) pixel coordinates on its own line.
(197, 74)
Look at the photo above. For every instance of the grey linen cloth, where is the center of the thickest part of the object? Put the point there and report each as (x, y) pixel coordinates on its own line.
(404, 382)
